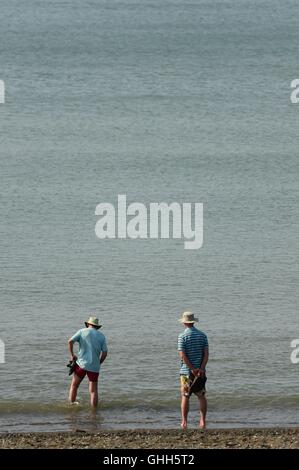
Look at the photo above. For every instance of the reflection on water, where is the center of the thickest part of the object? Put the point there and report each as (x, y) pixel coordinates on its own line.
(90, 421)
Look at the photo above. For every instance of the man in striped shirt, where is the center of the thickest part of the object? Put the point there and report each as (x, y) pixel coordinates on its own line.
(193, 350)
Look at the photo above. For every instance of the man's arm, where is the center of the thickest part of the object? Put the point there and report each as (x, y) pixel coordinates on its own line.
(103, 356)
(205, 359)
(71, 350)
(185, 359)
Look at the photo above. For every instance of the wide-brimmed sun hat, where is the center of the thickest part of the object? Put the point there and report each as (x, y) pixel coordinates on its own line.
(94, 321)
(188, 317)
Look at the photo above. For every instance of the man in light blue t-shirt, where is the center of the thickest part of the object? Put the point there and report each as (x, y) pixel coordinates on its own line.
(92, 353)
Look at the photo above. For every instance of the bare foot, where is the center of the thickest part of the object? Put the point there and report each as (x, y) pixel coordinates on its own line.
(202, 424)
(184, 425)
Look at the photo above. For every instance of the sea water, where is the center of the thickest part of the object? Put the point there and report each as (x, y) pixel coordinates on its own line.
(160, 100)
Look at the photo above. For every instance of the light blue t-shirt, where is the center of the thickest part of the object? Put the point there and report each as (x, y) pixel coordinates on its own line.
(91, 343)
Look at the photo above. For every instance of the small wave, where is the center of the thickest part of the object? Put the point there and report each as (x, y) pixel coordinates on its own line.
(230, 401)
(9, 407)
(33, 407)
(223, 402)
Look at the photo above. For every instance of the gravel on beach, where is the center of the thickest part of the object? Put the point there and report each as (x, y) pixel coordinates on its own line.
(268, 438)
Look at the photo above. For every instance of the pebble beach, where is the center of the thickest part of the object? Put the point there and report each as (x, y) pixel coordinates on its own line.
(272, 438)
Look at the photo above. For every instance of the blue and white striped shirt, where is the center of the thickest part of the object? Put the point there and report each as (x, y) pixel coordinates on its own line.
(193, 343)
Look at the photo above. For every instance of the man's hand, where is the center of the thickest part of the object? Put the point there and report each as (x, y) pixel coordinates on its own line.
(198, 372)
(73, 357)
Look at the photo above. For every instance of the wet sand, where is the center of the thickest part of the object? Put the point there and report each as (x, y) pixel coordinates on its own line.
(272, 438)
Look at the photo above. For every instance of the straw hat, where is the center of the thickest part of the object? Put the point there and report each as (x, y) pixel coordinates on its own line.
(188, 317)
(93, 321)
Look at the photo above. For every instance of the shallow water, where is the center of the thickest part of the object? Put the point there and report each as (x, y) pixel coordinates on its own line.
(162, 101)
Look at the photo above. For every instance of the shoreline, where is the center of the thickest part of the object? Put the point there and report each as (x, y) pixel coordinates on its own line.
(241, 438)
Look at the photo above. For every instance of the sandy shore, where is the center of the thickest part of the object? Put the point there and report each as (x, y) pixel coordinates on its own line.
(275, 438)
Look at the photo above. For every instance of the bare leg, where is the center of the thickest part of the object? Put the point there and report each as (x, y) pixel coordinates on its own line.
(203, 406)
(74, 388)
(93, 390)
(185, 410)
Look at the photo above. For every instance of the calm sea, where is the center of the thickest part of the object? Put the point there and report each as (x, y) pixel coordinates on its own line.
(162, 100)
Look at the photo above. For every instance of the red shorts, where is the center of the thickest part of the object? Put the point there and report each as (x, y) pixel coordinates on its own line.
(92, 376)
